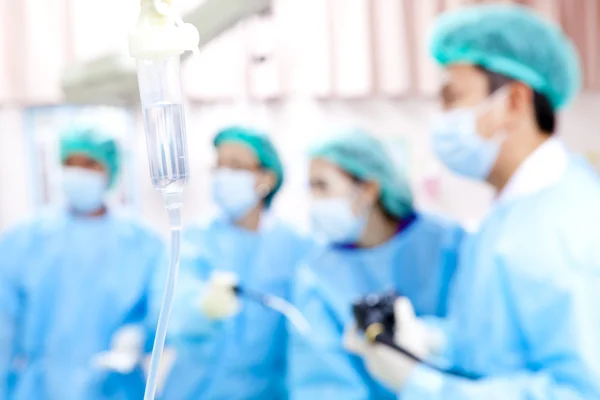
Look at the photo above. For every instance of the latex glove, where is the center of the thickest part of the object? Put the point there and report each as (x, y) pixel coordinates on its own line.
(413, 334)
(126, 351)
(385, 364)
(219, 299)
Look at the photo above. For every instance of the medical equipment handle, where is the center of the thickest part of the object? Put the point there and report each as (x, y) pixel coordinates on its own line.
(375, 316)
(278, 304)
(375, 334)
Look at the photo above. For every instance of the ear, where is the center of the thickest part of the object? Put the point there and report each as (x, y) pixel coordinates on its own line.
(518, 105)
(520, 98)
(265, 183)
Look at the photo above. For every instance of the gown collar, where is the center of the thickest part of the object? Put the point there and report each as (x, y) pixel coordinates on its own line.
(543, 168)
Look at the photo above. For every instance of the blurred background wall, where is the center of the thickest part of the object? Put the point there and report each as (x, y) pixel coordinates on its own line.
(305, 70)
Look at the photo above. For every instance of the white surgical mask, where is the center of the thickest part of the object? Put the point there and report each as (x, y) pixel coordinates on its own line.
(334, 220)
(84, 189)
(457, 144)
(234, 191)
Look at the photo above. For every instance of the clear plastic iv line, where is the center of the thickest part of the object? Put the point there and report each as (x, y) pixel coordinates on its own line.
(157, 42)
(167, 302)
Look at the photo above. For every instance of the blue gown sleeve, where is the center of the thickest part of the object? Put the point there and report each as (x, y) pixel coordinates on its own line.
(319, 367)
(555, 296)
(11, 245)
(131, 384)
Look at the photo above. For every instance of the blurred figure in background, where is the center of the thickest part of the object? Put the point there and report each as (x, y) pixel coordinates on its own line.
(70, 279)
(362, 206)
(525, 309)
(243, 356)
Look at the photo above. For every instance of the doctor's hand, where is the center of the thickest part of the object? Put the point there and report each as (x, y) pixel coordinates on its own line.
(219, 300)
(413, 334)
(384, 363)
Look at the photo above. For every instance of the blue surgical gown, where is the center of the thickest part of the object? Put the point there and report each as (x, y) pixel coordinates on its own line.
(66, 286)
(418, 262)
(525, 308)
(243, 357)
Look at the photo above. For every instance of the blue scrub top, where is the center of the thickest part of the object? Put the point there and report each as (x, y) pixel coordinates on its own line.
(243, 357)
(66, 286)
(525, 309)
(418, 262)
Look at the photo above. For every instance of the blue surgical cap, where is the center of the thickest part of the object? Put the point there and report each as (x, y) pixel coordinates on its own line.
(365, 158)
(263, 148)
(95, 144)
(511, 40)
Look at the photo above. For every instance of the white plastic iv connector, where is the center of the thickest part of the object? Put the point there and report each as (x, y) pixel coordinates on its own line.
(157, 34)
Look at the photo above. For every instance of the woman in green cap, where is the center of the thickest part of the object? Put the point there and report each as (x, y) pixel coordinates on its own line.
(362, 207)
(224, 351)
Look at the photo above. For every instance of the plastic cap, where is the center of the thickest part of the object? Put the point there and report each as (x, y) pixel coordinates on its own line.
(158, 36)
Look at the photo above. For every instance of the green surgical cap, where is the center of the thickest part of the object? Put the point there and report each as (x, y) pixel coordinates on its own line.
(95, 144)
(364, 157)
(511, 40)
(261, 145)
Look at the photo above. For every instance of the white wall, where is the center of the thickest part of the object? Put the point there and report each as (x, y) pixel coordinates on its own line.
(14, 172)
(295, 124)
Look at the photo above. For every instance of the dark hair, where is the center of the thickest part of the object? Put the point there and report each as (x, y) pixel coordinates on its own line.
(388, 215)
(544, 113)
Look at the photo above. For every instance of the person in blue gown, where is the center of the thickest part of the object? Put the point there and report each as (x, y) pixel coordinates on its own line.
(524, 313)
(243, 356)
(375, 240)
(70, 279)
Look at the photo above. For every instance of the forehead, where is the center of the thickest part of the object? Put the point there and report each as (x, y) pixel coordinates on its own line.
(237, 151)
(463, 75)
(83, 161)
(461, 71)
(80, 158)
(463, 85)
(323, 169)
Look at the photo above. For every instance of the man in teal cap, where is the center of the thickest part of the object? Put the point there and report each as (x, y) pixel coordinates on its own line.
(73, 280)
(230, 143)
(225, 350)
(524, 314)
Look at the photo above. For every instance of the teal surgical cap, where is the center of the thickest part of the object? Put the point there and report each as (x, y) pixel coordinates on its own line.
(511, 40)
(94, 144)
(365, 158)
(261, 145)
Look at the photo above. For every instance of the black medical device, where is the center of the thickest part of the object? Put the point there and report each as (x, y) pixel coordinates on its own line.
(374, 315)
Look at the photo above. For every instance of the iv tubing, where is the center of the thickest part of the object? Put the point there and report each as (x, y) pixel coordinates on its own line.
(158, 36)
(173, 206)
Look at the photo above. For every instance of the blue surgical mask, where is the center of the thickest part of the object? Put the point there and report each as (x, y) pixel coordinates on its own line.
(334, 220)
(84, 189)
(458, 145)
(234, 191)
